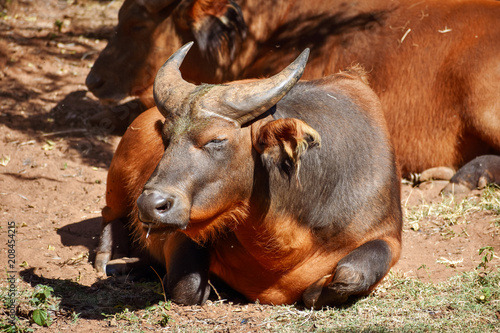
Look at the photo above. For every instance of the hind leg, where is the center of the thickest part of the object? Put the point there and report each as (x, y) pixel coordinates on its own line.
(356, 274)
(482, 115)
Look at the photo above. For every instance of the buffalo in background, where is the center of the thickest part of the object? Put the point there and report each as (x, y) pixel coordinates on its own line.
(433, 64)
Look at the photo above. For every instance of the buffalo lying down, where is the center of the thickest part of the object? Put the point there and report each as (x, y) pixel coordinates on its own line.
(285, 190)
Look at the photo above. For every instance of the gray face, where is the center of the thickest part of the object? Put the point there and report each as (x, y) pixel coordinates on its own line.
(206, 170)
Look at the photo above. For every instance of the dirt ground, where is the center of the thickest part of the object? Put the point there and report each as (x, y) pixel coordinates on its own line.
(53, 164)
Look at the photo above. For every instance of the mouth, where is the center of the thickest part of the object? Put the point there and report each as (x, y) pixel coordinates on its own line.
(151, 228)
(115, 100)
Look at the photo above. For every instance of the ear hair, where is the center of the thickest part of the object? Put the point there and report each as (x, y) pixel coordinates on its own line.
(282, 143)
(218, 27)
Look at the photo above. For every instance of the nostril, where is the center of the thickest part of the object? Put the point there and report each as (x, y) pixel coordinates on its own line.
(165, 205)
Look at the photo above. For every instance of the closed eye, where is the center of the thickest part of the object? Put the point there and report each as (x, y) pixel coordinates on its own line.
(216, 143)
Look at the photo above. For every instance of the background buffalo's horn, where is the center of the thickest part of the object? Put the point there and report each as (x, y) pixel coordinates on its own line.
(169, 83)
(246, 101)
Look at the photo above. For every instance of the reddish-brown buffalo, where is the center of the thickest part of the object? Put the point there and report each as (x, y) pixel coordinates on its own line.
(434, 64)
(239, 171)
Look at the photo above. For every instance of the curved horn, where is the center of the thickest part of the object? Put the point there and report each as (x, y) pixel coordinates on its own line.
(246, 101)
(169, 83)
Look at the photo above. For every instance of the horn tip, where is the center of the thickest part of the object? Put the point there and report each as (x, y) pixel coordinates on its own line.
(180, 54)
(172, 65)
(304, 55)
(187, 46)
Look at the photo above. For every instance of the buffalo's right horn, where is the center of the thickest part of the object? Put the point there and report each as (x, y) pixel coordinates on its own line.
(246, 101)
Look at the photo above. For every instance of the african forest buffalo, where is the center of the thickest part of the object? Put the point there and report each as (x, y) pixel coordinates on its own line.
(433, 64)
(285, 190)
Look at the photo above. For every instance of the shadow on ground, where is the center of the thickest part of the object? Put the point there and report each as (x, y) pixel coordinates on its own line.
(105, 297)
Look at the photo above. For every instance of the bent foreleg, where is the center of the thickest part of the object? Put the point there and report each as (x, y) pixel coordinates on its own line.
(356, 274)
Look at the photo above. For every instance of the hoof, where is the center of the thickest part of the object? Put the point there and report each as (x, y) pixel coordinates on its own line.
(120, 266)
(311, 295)
(101, 260)
(439, 173)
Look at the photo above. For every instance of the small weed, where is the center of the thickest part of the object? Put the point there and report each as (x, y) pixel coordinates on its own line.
(41, 317)
(58, 24)
(489, 252)
(485, 295)
(74, 317)
(165, 319)
(424, 267)
(41, 294)
(40, 299)
(125, 315)
(9, 328)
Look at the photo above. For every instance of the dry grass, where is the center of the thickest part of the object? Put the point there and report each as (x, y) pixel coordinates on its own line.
(452, 211)
(469, 302)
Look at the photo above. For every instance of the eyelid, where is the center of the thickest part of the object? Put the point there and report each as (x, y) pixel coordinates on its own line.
(217, 141)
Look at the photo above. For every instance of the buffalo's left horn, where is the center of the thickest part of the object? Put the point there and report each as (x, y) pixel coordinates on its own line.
(169, 86)
(246, 101)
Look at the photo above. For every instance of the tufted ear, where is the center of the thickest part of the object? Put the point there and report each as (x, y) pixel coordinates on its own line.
(282, 143)
(217, 25)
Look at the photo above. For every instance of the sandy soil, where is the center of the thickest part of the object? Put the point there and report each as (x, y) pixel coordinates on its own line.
(54, 164)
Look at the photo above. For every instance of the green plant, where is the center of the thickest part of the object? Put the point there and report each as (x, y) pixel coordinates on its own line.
(425, 268)
(74, 317)
(41, 294)
(58, 24)
(489, 252)
(165, 319)
(40, 300)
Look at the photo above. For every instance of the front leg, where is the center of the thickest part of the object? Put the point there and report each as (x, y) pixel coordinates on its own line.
(356, 274)
(187, 266)
(113, 243)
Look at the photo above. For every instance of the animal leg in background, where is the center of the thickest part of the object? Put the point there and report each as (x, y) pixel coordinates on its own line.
(478, 173)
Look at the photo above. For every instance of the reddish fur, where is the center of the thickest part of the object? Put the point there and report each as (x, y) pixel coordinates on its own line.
(202, 8)
(439, 90)
(282, 131)
(285, 259)
(136, 156)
